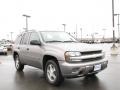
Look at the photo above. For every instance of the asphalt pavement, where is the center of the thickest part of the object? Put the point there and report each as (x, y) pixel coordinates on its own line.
(33, 78)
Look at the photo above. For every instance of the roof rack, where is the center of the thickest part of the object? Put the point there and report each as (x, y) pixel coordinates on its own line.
(29, 30)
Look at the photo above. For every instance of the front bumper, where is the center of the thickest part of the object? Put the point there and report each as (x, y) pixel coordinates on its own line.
(69, 70)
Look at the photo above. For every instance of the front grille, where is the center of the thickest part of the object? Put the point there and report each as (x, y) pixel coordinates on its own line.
(92, 59)
(91, 52)
(92, 56)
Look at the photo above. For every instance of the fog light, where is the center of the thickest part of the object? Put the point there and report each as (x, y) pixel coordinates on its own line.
(75, 70)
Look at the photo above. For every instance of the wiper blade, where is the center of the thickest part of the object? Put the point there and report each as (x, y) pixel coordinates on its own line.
(69, 41)
(54, 41)
(59, 41)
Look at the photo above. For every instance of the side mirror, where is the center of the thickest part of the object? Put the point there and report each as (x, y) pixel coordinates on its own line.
(35, 42)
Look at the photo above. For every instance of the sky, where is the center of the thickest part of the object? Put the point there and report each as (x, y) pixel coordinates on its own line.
(93, 16)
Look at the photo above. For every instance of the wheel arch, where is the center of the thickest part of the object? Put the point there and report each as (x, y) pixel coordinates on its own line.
(48, 57)
(14, 53)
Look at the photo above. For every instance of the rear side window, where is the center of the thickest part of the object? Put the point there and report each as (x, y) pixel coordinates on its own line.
(17, 41)
(25, 38)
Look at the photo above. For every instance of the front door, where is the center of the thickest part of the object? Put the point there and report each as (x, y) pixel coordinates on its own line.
(34, 51)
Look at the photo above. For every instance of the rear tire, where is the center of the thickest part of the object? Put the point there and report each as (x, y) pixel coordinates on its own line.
(18, 65)
(53, 73)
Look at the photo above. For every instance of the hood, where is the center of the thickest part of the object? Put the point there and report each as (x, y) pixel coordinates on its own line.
(73, 46)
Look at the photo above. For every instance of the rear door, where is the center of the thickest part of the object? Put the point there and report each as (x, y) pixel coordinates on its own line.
(23, 48)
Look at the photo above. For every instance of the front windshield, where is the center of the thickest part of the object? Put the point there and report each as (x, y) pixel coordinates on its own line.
(57, 37)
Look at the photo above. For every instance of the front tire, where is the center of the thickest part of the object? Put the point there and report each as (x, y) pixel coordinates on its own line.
(53, 73)
(18, 65)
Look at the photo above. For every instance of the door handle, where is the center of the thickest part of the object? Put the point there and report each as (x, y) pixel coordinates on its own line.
(27, 48)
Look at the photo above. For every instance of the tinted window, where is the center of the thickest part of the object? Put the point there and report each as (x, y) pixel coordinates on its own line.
(25, 39)
(17, 41)
(34, 36)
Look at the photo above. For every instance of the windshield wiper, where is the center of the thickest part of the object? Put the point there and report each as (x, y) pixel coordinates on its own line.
(54, 41)
(69, 41)
(60, 41)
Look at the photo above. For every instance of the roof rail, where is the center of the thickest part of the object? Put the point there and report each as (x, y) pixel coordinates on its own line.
(29, 30)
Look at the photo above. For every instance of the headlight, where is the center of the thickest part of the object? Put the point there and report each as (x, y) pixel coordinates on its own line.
(71, 54)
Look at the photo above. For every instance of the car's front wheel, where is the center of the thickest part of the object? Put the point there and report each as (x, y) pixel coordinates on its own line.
(52, 73)
(18, 65)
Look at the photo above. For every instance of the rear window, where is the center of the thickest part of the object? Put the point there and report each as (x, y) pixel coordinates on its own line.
(18, 39)
(25, 38)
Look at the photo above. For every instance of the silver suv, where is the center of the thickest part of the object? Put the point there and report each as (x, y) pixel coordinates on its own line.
(58, 54)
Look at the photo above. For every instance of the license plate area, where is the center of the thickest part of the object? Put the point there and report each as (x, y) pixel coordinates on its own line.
(97, 67)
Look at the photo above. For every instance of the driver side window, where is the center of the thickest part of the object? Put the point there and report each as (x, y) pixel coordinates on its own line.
(34, 36)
